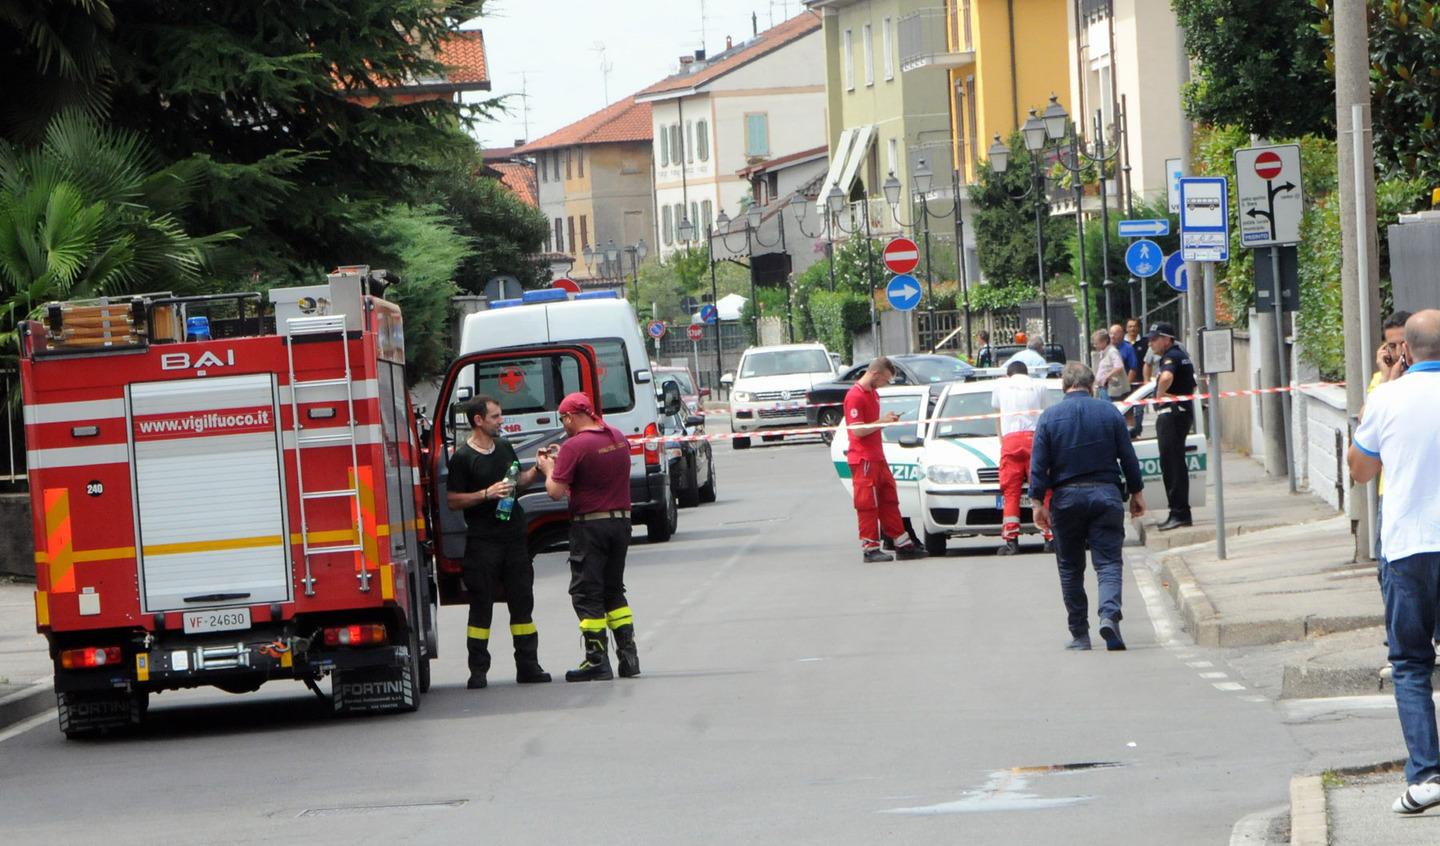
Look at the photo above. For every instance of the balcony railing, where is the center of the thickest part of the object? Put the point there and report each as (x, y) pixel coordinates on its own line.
(938, 37)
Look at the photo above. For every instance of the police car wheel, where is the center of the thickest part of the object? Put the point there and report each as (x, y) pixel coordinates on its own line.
(935, 544)
(828, 417)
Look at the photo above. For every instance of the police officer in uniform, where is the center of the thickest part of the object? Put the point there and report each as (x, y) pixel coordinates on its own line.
(1175, 377)
(592, 469)
(1080, 450)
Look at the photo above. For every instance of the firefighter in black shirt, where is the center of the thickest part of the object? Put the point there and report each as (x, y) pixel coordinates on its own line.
(495, 550)
(1175, 377)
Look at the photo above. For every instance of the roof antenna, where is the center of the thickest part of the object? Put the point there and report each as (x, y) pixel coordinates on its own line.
(754, 25)
(605, 68)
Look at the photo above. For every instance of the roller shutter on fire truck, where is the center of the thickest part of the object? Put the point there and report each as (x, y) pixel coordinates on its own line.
(209, 493)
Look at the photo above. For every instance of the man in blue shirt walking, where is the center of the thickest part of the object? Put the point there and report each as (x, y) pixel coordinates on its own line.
(1081, 447)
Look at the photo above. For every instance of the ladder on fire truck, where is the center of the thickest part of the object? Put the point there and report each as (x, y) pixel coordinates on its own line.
(319, 327)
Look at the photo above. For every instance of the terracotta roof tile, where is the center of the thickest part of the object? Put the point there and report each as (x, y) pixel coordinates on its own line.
(766, 42)
(621, 121)
(464, 57)
(520, 179)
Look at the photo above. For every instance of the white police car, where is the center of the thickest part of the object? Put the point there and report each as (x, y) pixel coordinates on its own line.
(947, 472)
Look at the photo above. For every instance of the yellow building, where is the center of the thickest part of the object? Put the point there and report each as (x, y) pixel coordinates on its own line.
(1003, 58)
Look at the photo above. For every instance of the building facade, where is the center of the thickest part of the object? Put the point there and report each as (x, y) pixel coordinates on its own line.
(595, 188)
(760, 100)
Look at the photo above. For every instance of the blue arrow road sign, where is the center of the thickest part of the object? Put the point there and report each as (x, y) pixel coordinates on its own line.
(1144, 258)
(903, 292)
(709, 313)
(1144, 228)
(1175, 275)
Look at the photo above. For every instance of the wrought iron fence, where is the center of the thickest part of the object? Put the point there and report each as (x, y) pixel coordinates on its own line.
(1002, 326)
(13, 470)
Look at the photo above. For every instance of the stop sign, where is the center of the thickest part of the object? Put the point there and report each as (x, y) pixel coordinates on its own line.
(902, 255)
(565, 283)
(695, 332)
(1267, 165)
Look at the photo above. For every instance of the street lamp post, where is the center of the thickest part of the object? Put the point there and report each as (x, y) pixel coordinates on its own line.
(637, 252)
(686, 231)
(798, 205)
(923, 179)
(754, 216)
(1036, 132)
(1053, 126)
(835, 202)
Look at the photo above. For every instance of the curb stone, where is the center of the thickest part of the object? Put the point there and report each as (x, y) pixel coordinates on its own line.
(26, 702)
(1309, 823)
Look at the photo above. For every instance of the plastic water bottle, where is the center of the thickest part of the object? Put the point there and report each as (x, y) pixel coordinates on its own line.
(504, 507)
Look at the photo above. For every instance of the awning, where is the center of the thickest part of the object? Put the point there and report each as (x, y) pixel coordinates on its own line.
(850, 153)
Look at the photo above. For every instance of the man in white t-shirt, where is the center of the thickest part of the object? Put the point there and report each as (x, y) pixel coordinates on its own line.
(1394, 434)
(1019, 398)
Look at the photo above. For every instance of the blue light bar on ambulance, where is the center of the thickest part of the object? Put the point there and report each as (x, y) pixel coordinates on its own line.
(505, 304)
(598, 295)
(545, 295)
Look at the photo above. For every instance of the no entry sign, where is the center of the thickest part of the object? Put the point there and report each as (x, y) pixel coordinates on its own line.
(902, 255)
(1267, 165)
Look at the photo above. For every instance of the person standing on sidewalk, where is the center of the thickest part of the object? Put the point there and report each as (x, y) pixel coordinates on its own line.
(592, 468)
(1019, 399)
(1391, 362)
(984, 357)
(496, 550)
(1081, 449)
(1173, 421)
(877, 505)
(1033, 355)
(1395, 434)
(1112, 382)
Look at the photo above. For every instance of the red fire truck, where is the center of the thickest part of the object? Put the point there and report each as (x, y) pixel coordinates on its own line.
(223, 495)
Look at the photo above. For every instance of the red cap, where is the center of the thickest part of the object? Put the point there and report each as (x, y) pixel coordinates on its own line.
(577, 403)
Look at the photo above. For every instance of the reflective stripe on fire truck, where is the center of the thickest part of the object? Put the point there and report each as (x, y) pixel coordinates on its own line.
(42, 609)
(46, 459)
(69, 412)
(59, 548)
(213, 545)
(364, 389)
(387, 582)
(369, 532)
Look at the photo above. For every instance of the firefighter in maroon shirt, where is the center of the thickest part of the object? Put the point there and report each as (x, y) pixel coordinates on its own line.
(876, 504)
(592, 468)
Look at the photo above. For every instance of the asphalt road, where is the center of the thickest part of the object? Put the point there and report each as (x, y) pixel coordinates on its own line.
(791, 694)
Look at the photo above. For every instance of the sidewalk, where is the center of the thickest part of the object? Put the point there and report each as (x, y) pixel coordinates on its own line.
(1288, 584)
(25, 668)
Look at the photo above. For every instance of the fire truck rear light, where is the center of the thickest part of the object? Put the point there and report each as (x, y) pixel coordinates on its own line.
(364, 634)
(90, 657)
(84, 431)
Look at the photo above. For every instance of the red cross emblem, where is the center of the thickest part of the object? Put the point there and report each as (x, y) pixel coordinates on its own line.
(512, 380)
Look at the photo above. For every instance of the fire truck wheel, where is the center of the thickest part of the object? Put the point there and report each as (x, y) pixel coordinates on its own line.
(411, 679)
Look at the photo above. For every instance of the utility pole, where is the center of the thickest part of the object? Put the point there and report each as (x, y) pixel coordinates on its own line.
(1360, 259)
(1194, 298)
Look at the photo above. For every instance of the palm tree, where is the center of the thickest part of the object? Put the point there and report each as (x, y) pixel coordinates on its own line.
(89, 212)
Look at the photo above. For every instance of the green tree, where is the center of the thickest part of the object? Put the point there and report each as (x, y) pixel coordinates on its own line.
(1005, 227)
(89, 212)
(1405, 83)
(1260, 65)
(286, 107)
(505, 235)
(430, 252)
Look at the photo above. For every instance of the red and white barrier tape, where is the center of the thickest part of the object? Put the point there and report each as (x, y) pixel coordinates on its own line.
(1120, 404)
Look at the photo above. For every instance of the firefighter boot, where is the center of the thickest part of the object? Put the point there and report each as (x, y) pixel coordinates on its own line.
(477, 644)
(627, 658)
(596, 666)
(527, 655)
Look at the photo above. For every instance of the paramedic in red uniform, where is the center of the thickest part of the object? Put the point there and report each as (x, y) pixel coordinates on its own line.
(495, 549)
(592, 468)
(1019, 398)
(876, 503)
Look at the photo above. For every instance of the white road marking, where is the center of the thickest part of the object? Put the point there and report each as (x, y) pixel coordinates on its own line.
(1003, 791)
(28, 724)
(1229, 686)
(1198, 664)
(1213, 676)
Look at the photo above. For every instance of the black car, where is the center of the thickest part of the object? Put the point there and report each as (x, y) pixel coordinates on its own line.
(692, 465)
(1000, 353)
(822, 403)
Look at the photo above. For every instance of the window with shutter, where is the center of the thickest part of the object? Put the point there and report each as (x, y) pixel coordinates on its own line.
(690, 142)
(559, 235)
(757, 135)
(702, 140)
(868, 55)
(570, 231)
(662, 141)
(667, 226)
(584, 232)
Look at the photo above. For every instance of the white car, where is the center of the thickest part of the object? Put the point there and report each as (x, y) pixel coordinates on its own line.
(767, 391)
(947, 472)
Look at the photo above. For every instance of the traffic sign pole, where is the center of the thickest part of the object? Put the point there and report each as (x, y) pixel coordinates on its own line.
(1214, 457)
(1284, 369)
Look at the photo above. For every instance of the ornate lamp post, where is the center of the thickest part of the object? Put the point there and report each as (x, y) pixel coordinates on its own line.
(921, 182)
